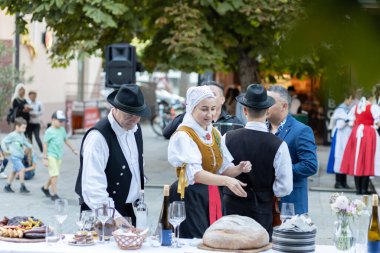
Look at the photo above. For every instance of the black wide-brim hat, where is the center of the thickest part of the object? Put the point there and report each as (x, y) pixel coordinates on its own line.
(129, 99)
(256, 97)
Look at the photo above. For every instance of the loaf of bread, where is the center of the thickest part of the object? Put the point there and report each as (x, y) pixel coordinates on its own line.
(235, 232)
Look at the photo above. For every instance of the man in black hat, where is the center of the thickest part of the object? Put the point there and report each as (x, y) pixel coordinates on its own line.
(111, 159)
(271, 173)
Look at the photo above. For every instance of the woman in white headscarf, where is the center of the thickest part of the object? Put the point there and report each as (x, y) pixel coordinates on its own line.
(195, 150)
(20, 104)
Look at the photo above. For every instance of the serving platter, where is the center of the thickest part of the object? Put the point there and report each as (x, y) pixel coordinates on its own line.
(21, 240)
(269, 246)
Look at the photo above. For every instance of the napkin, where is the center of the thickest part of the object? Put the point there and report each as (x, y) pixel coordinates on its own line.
(299, 223)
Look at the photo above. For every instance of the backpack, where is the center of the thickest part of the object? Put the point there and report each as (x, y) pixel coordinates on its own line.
(11, 115)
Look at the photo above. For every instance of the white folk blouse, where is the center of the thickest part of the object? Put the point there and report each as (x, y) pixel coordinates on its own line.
(182, 149)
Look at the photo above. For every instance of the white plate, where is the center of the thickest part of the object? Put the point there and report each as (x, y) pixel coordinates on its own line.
(81, 244)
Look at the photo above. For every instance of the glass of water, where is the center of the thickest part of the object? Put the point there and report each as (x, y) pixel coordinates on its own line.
(52, 235)
(287, 211)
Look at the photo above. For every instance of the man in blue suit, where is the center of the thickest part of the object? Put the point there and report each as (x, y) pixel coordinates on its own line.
(301, 143)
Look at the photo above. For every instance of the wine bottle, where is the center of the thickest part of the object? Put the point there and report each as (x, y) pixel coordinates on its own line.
(141, 213)
(373, 229)
(166, 229)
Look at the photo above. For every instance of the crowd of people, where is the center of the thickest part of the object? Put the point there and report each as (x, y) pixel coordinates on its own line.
(355, 148)
(242, 170)
(17, 146)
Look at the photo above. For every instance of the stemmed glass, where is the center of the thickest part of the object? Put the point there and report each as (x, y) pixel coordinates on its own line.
(80, 221)
(60, 215)
(287, 211)
(177, 214)
(103, 213)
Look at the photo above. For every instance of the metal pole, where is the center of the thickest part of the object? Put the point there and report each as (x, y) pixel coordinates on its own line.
(17, 46)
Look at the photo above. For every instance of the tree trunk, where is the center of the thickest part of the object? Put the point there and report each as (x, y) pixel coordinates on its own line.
(248, 70)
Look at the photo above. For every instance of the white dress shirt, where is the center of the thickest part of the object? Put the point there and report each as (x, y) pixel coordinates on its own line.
(36, 111)
(183, 149)
(283, 182)
(95, 157)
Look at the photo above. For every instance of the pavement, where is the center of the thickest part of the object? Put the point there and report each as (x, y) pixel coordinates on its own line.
(159, 172)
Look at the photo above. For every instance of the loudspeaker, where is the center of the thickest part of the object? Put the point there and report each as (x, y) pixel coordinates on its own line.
(120, 65)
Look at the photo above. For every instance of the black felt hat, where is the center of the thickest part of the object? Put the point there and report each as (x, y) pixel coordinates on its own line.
(129, 99)
(256, 97)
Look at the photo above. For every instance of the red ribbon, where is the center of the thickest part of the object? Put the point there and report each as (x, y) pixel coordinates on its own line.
(214, 204)
(208, 136)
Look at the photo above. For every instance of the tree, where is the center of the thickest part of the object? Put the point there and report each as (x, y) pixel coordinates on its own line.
(8, 77)
(190, 35)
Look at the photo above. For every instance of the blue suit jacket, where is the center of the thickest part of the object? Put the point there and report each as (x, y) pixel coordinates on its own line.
(302, 148)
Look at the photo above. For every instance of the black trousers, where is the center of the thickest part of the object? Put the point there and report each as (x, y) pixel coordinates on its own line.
(260, 211)
(126, 211)
(34, 129)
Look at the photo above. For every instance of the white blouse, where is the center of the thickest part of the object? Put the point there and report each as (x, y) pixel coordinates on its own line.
(182, 149)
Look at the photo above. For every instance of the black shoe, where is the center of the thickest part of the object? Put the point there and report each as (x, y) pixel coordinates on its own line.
(346, 186)
(23, 189)
(338, 186)
(55, 197)
(45, 191)
(8, 188)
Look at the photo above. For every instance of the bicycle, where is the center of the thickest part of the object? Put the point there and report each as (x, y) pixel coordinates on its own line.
(164, 114)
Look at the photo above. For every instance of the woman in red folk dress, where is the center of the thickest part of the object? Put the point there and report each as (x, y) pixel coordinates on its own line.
(362, 154)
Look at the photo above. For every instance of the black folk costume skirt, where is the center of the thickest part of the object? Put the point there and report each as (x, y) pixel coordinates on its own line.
(197, 206)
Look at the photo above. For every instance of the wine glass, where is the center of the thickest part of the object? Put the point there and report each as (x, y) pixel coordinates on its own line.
(177, 214)
(60, 215)
(287, 211)
(103, 213)
(80, 221)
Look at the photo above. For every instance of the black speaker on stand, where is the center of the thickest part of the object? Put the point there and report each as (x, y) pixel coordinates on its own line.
(120, 66)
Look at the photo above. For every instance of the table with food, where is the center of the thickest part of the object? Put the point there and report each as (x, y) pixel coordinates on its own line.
(229, 234)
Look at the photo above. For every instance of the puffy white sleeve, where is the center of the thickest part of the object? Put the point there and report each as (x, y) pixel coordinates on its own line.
(341, 118)
(375, 110)
(182, 149)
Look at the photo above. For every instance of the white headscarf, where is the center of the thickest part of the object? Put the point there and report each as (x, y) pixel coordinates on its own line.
(195, 95)
(17, 89)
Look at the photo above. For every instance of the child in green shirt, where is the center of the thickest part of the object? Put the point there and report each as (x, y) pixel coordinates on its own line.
(54, 138)
(15, 144)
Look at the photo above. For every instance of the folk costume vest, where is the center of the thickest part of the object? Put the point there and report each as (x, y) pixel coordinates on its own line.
(260, 149)
(117, 170)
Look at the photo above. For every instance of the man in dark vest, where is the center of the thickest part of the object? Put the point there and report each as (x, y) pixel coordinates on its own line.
(111, 156)
(271, 173)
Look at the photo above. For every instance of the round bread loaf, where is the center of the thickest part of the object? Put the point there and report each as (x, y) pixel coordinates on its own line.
(234, 232)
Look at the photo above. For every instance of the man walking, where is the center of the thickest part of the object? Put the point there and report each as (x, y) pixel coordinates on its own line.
(271, 173)
(111, 156)
(301, 143)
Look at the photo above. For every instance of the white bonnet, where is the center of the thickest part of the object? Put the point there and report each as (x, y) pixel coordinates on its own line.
(195, 95)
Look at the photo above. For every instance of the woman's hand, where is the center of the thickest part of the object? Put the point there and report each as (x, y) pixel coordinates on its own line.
(245, 166)
(235, 186)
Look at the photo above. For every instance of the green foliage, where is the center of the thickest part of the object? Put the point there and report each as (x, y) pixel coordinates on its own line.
(339, 40)
(192, 35)
(8, 77)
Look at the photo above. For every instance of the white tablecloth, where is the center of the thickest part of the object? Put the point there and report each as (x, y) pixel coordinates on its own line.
(112, 247)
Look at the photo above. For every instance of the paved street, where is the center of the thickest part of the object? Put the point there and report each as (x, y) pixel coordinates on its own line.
(159, 172)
